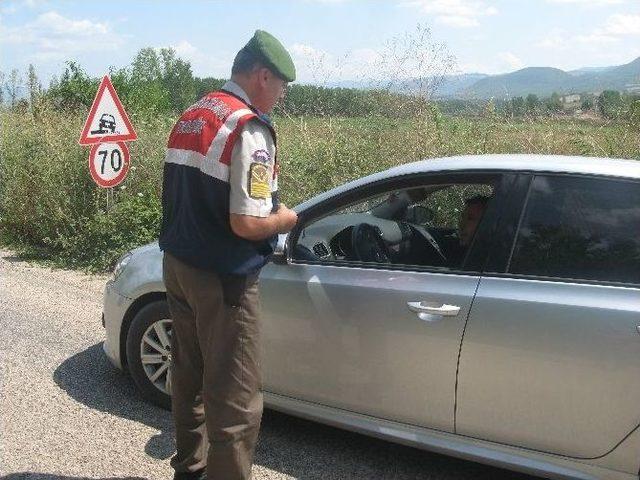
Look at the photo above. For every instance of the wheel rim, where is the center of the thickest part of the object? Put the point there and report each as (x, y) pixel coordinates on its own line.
(155, 354)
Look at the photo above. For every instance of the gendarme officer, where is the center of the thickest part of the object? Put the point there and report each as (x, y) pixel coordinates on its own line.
(220, 219)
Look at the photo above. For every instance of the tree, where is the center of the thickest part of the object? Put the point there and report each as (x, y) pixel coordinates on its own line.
(141, 87)
(588, 102)
(533, 104)
(209, 84)
(634, 112)
(74, 88)
(177, 78)
(416, 56)
(1, 88)
(13, 85)
(517, 106)
(554, 103)
(33, 85)
(146, 66)
(610, 103)
(490, 109)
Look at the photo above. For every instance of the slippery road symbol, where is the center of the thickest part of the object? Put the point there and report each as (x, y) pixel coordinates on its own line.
(107, 124)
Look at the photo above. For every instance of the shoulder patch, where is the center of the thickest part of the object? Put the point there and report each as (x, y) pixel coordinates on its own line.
(259, 187)
(261, 156)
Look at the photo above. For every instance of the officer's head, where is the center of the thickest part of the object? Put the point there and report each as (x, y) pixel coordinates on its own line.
(263, 68)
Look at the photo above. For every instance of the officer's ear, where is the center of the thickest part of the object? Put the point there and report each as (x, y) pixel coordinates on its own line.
(264, 76)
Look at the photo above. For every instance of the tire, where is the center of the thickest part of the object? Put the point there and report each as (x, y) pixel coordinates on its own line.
(145, 337)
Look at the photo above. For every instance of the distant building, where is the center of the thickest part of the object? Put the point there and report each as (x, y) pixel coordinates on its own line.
(632, 87)
(569, 99)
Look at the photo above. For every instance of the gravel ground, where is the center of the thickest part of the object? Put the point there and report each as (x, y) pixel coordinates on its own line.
(66, 413)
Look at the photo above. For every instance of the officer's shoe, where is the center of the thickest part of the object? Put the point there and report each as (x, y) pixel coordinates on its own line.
(198, 475)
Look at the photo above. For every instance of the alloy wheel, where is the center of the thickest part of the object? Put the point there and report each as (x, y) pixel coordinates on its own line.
(155, 354)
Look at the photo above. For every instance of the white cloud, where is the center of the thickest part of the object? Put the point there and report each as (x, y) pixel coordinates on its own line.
(462, 22)
(610, 32)
(596, 38)
(58, 25)
(321, 67)
(455, 13)
(503, 62)
(13, 7)
(313, 64)
(203, 65)
(365, 55)
(562, 40)
(619, 24)
(54, 36)
(589, 3)
(613, 42)
(305, 51)
(9, 9)
(614, 29)
(184, 49)
(512, 61)
(554, 39)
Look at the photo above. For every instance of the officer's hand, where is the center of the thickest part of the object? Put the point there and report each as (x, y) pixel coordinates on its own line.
(287, 218)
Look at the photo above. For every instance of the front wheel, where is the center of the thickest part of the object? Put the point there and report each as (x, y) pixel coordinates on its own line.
(149, 352)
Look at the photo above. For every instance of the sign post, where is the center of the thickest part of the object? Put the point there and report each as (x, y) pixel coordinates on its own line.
(106, 129)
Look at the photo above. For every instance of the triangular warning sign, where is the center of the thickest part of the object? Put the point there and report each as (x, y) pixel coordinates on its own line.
(107, 120)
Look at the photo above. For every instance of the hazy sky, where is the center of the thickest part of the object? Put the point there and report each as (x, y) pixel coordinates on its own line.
(343, 37)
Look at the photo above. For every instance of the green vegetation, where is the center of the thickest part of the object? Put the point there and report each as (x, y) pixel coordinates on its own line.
(51, 209)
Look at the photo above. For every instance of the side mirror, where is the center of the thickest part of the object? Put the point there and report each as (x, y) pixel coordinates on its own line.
(419, 214)
(280, 251)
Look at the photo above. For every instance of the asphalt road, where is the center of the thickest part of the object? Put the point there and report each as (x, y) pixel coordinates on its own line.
(66, 413)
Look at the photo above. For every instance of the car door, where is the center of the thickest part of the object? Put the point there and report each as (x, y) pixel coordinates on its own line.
(355, 336)
(551, 353)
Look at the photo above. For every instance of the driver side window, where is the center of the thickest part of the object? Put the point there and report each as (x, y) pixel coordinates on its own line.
(424, 226)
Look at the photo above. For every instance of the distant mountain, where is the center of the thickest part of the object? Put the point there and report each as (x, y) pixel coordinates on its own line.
(543, 81)
(359, 84)
(539, 80)
(582, 71)
(624, 77)
(444, 86)
(451, 84)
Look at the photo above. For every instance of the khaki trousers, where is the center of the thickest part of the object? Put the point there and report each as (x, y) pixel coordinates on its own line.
(216, 380)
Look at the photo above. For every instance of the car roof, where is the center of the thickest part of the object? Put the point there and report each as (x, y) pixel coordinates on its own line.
(503, 162)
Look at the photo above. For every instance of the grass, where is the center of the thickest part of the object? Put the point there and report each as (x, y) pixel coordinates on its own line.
(52, 211)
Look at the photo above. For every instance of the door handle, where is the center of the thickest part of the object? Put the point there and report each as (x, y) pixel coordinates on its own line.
(434, 308)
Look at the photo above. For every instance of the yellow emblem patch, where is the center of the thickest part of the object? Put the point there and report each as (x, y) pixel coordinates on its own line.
(259, 187)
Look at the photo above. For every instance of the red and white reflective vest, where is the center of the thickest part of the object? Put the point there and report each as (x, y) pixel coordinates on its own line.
(195, 196)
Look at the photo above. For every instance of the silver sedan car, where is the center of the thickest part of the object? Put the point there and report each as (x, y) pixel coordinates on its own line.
(486, 307)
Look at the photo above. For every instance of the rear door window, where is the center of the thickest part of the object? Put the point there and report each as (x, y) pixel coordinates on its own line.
(580, 228)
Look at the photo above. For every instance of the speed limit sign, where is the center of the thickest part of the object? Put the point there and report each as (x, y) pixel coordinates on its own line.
(109, 163)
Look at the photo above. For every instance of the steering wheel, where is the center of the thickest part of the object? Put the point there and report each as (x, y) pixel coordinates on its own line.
(368, 245)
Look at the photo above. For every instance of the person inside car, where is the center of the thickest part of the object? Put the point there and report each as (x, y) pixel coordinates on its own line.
(470, 218)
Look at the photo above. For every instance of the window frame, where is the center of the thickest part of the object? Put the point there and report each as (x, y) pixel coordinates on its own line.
(478, 250)
(499, 264)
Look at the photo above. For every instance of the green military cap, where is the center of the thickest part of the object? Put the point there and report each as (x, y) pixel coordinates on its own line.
(275, 56)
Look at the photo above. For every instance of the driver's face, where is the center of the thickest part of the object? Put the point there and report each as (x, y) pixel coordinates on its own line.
(471, 216)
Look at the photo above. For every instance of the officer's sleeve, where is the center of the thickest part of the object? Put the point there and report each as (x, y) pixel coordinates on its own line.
(251, 172)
